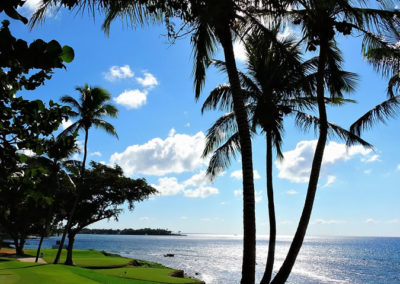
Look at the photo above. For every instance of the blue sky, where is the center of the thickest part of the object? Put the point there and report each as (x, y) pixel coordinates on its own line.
(161, 137)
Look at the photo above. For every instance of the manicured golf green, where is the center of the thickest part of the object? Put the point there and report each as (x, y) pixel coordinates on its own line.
(13, 271)
(84, 258)
(161, 275)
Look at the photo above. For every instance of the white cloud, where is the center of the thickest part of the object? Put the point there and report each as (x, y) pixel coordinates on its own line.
(398, 167)
(148, 81)
(258, 195)
(32, 5)
(187, 124)
(197, 180)
(296, 165)
(66, 123)
(238, 174)
(144, 218)
(27, 152)
(176, 154)
(291, 192)
(201, 192)
(330, 180)
(98, 154)
(205, 219)
(371, 221)
(240, 51)
(118, 72)
(183, 218)
(195, 187)
(168, 186)
(132, 99)
(373, 158)
(367, 172)
(327, 222)
(393, 221)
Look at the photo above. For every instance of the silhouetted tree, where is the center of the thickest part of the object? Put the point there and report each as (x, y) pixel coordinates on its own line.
(105, 189)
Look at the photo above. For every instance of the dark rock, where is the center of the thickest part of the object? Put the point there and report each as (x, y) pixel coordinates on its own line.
(178, 273)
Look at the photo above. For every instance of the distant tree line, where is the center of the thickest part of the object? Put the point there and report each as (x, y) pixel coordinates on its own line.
(145, 231)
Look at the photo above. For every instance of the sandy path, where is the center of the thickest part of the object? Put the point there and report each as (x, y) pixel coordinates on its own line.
(31, 259)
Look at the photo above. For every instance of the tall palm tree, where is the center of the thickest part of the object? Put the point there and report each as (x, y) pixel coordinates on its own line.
(210, 22)
(278, 84)
(276, 78)
(320, 21)
(92, 107)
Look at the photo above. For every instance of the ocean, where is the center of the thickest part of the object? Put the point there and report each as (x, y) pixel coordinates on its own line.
(217, 258)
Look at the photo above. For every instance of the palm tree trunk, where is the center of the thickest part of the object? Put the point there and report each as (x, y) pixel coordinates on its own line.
(39, 247)
(298, 239)
(76, 201)
(71, 240)
(249, 224)
(19, 246)
(271, 212)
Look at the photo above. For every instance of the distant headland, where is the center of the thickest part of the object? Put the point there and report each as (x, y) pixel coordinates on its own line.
(145, 231)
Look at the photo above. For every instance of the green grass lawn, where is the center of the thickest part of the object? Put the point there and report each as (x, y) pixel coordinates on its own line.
(84, 258)
(150, 274)
(14, 271)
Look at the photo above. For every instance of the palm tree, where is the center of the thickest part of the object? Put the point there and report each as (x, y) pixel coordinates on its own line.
(91, 109)
(320, 21)
(209, 22)
(278, 84)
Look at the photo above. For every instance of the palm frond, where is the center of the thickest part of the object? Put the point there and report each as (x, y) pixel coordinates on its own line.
(219, 98)
(204, 45)
(73, 128)
(108, 127)
(379, 113)
(221, 157)
(306, 121)
(219, 132)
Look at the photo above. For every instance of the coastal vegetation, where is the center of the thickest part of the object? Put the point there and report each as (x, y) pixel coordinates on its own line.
(38, 174)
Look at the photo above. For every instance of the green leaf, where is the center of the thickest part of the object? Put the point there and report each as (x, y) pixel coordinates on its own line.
(67, 54)
(23, 158)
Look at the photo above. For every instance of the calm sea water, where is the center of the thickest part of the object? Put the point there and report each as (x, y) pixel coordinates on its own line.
(217, 258)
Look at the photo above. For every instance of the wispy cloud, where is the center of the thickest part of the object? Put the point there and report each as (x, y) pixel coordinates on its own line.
(291, 192)
(239, 175)
(327, 222)
(148, 81)
(118, 72)
(371, 221)
(98, 154)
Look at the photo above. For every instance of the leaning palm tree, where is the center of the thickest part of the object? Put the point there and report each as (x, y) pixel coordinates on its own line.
(320, 21)
(210, 22)
(90, 109)
(278, 84)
